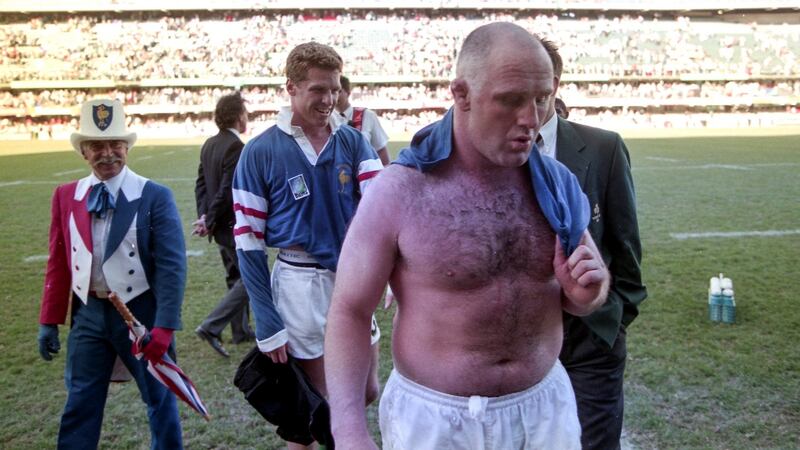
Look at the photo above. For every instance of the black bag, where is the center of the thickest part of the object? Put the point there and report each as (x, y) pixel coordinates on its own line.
(283, 394)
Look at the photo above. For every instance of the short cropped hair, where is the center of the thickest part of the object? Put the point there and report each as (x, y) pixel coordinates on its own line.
(481, 42)
(561, 108)
(555, 57)
(311, 55)
(345, 82)
(229, 108)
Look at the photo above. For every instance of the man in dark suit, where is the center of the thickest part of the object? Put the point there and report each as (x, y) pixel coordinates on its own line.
(218, 159)
(594, 349)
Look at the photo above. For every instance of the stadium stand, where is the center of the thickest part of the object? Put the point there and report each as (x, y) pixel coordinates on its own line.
(675, 64)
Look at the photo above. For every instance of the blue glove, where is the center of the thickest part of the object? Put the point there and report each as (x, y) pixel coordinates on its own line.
(48, 341)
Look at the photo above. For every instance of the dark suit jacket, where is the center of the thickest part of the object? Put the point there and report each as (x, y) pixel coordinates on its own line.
(601, 163)
(212, 191)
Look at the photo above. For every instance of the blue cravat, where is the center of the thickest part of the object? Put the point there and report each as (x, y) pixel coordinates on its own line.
(99, 200)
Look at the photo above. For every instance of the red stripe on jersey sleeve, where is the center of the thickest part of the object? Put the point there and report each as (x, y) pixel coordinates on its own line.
(244, 230)
(367, 175)
(250, 211)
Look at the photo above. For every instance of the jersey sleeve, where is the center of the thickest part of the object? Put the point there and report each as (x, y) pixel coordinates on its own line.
(56, 295)
(250, 205)
(368, 164)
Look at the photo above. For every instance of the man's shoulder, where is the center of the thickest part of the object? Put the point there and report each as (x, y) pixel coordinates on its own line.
(591, 134)
(222, 138)
(558, 169)
(66, 191)
(369, 112)
(266, 140)
(348, 131)
(145, 187)
(68, 186)
(402, 180)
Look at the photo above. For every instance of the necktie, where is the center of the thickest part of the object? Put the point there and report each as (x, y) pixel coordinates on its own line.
(540, 143)
(99, 200)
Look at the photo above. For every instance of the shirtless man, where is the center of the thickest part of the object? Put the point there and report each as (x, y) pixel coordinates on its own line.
(462, 227)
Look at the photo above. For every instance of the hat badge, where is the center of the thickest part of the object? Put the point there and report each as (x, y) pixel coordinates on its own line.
(102, 116)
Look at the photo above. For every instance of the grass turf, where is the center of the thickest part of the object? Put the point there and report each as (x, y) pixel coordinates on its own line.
(689, 383)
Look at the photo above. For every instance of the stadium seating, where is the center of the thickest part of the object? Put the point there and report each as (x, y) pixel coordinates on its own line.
(170, 67)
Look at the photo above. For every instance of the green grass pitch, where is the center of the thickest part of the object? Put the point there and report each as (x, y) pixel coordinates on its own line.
(690, 383)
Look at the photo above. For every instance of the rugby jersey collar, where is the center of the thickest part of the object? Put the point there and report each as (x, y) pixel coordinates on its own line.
(284, 122)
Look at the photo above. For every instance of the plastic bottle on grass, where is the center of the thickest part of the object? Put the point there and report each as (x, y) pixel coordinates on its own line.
(715, 299)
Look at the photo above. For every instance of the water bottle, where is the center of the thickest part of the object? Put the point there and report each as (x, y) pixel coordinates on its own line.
(715, 300)
(728, 306)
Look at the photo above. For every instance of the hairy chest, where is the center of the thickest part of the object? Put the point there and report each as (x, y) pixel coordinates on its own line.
(466, 236)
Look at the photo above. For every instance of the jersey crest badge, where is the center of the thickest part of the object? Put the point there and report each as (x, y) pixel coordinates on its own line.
(299, 187)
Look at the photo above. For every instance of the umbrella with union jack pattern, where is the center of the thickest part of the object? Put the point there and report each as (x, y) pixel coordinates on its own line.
(165, 370)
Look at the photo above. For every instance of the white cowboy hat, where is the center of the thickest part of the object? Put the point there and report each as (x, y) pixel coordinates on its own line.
(102, 120)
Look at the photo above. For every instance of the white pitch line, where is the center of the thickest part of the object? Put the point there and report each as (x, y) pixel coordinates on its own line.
(35, 258)
(733, 234)
(38, 258)
(660, 158)
(143, 158)
(58, 174)
(21, 182)
(698, 167)
(783, 164)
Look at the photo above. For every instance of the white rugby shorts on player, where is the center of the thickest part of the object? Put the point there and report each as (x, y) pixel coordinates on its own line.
(544, 416)
(302, 296)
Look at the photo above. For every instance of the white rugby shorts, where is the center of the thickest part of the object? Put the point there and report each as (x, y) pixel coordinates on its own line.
(544, 416)
(302, 296)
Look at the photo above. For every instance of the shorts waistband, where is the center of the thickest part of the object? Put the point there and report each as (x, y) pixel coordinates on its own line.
(298, 258)
(556, 373)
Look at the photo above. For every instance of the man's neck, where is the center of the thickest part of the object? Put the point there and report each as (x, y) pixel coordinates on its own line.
(317, 136)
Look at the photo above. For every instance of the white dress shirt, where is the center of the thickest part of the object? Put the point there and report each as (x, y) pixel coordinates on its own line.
(548, 133)
(100, 228)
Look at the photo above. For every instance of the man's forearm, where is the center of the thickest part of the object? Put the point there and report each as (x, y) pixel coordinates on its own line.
(347, 356)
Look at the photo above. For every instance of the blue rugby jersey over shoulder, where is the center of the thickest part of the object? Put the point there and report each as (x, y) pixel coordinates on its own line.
(283, 199)
(556, 189)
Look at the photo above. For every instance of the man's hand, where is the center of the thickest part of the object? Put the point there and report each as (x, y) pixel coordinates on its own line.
(583, 276)
(279, 355)
(199, 227)
(160, 338)
(48, 341)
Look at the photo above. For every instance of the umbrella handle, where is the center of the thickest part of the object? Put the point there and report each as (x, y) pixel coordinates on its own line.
(122, 309)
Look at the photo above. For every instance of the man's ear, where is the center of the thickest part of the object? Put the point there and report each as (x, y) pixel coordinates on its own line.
(460, 90)
(556, 82)
(291, 88)
(83, 151)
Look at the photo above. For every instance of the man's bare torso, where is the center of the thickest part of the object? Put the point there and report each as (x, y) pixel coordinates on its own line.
(479, 310)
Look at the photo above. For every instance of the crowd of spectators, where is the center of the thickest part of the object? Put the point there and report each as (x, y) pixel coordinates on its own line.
(617, 67)
(143, 46)
(405, 96)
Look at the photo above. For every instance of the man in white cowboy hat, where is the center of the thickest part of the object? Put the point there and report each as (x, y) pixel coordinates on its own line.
(113, 231)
